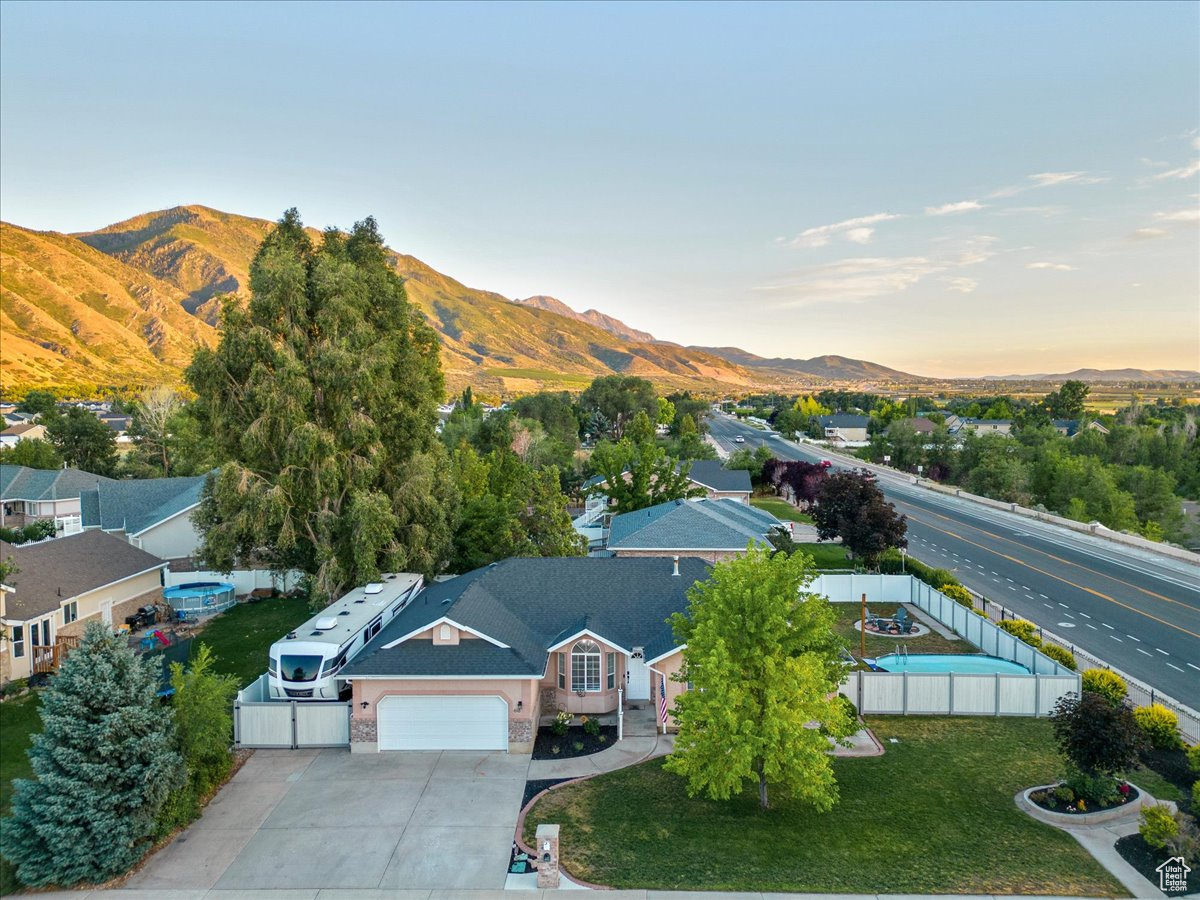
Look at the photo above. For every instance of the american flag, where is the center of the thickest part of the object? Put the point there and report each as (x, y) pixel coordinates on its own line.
(662, 699)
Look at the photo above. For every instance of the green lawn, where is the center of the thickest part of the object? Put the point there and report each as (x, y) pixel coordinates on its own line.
(827, 556)
(849, 613)
(780, 509)
(934, 815)
(241, 636)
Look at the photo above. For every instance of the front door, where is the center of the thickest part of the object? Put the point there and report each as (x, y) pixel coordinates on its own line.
(637, 676)
(106, 611)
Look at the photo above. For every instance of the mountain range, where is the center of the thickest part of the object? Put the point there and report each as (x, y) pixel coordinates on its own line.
(128, 304)
(1106, 375)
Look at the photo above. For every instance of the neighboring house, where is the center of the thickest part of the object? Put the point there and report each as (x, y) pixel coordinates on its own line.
(720, 483)
(987, 426)
(920, 425)
(26, 431)
(712, 530)
(19, 418)
(473, 663)
(27, 495)
(1072, 427)
(151, 513)
(844, 428)
(60, 585)
(119, 424)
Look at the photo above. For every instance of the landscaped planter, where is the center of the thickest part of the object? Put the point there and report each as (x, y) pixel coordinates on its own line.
(547, 740)
(1145, 859)
(1126, 811)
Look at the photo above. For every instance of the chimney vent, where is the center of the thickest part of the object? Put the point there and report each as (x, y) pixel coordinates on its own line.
(676, 572)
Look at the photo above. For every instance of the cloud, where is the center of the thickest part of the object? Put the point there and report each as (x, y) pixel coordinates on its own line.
(1182, 172)
(1149, 234)
(854, 230)
(1057, 267)
(947, 209)
(1196, 142)
(1187, 216)
(1047, 179)
(962, 285)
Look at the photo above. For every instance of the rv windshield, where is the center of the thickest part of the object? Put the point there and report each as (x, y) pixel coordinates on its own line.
(299, 668)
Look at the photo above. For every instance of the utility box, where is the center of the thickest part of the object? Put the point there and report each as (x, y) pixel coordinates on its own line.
(547, 857)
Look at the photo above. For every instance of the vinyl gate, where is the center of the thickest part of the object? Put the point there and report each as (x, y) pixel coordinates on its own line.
(263, 723)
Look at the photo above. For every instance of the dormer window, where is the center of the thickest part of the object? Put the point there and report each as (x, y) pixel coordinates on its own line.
(585, 667)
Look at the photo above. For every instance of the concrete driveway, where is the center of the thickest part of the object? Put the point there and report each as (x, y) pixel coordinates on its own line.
(330, 819)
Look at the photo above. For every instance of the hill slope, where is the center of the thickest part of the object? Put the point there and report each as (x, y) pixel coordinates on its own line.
(1106, 375)
(823, 368)
(69, 313)
(591, 316)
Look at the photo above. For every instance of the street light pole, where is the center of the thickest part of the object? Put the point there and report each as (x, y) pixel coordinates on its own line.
(903, 557)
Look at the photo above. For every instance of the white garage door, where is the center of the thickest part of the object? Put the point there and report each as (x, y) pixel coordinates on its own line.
(443, 723)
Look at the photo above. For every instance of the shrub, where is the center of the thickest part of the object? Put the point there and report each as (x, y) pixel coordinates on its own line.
(1064, 794)
(1022, 630)
(1160, 725)
(14, 687)
(561, 723)
(1098, 790)
(959, 594)
(1158, 825)
(1106, 684)
(1060, 655)
(1193, 755)
(1096, 738)
(590, 726)
(578, 745)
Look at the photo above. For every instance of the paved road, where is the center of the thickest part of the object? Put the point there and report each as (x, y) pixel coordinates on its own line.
(1137, 611)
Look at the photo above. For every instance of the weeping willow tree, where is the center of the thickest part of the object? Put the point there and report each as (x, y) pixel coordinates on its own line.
(323, 395)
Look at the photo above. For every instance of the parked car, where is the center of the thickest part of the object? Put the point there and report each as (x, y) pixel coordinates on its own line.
(826, 464)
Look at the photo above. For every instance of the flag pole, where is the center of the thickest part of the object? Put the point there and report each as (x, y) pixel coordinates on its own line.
(862, 629)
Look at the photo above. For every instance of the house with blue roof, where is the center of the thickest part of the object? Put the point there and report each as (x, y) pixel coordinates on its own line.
(30, 495)
(711, 530)
(474, 662)
(151, 513)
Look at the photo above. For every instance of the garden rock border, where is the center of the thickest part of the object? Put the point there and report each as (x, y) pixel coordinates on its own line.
(1129, 811)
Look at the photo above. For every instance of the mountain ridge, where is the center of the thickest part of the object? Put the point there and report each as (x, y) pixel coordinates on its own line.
(591, 316)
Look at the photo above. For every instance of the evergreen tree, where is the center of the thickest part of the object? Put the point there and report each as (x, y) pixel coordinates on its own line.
(104, 763)
(323, 393)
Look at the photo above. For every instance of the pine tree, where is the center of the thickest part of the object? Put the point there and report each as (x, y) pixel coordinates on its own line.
(104, 763)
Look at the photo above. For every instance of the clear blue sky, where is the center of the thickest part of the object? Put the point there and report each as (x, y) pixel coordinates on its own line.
(947, 188)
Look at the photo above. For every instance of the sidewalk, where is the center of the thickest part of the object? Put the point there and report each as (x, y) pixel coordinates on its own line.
(642, 741)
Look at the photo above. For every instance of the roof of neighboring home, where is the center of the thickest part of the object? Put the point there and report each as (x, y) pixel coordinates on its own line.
(49, 572)
(970, 421)
(692, 525)
(24, 483)
(920, 424)
(21, 428)
(711, 474)
(844, 420)
(529, 606)
(134, 505)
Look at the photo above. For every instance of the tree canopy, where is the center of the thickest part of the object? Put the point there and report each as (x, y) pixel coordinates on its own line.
(611, 402)
(851, 507)
(763, 663)
(636, 476)
(82, 440)
(323, 394)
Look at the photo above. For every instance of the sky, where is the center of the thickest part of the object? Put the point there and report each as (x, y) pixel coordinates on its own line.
(951, 189)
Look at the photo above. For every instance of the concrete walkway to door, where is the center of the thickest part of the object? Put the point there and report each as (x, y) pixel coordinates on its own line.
(329, 819)
(642, 741)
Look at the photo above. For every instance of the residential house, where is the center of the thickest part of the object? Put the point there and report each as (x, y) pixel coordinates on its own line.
(987, 426)
(62, 584)
(474, 662)
(25, 431)
(151, 513)
(712, 530)
(843, 428)
(27, 495)
(920, 425)
(720, 483)
(118, 423)
(1073, 427)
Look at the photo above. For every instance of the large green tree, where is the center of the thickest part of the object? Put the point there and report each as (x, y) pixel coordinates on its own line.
(323, 393)
(82, 440)
(103, 765)
(851, 507)
(763, 663)
(611, 402)
(635, 476)
(32, 452)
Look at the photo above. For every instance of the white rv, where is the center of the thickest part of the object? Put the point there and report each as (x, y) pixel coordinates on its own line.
(304, 664)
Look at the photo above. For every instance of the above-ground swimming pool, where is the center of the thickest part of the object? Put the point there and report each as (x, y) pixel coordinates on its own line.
(200, 599)
(960, 664)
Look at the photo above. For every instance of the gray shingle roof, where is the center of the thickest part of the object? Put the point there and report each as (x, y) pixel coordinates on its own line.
(24, 483)
(711, 474)
(691, 525)
(50, 572)
(530, 605)
(844, 420)
(134, 505)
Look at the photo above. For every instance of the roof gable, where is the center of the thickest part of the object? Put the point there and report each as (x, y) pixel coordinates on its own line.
(24, 483)
(692, 525)
(135, 505)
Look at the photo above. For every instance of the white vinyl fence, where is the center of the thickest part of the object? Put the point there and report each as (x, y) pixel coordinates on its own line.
(244, 581)
(261, 722)
(944, 693)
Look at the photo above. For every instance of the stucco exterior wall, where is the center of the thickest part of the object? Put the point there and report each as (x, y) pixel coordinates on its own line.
(175, 538)
(669, 666)
(594, 702)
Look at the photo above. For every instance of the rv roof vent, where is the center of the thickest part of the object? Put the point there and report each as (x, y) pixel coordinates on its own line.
(360, 601)
(291, 636)
(373, 588)
(325, 623)
(344, 612)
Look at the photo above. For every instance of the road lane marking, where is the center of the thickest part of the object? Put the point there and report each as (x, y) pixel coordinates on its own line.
(1132, 638)
(1140, 650)
(1043, 595)
(1047, 605)
(1085, 615)
(1176, 668)
(1063, 605)
(1197, 668)
(1117, 639)
(1106, 625)
(1093, 627)
(1163, 652)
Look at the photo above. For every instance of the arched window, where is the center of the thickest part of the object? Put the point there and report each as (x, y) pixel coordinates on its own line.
(585, 666)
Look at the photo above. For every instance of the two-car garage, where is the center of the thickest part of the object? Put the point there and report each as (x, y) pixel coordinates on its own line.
(476, 722)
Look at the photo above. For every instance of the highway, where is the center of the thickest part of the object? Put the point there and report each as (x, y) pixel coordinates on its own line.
(1135, 610)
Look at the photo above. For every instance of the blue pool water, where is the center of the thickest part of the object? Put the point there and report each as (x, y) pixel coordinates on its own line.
(949, 662)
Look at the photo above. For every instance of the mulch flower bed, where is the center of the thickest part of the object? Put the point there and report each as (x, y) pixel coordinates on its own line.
(576, 742)
(535, 786)
(1146, 859)
(1062, 799)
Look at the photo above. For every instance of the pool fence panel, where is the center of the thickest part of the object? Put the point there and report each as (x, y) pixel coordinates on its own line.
(262, 723)
(244, 581)
(950, 694)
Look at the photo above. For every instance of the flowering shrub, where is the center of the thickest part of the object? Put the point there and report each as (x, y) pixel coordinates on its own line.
(1106, 684)
(561, 723)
